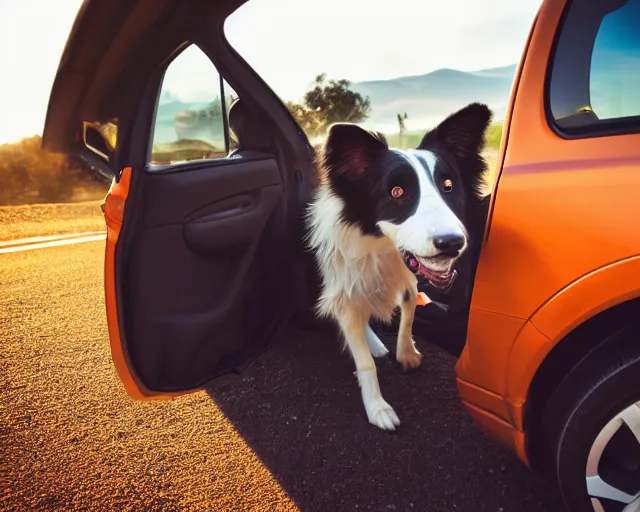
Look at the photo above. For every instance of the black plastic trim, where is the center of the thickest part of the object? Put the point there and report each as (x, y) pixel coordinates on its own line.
(225, 117)
(193, 165)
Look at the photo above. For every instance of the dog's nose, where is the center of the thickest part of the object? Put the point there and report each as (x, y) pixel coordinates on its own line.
(449, 243)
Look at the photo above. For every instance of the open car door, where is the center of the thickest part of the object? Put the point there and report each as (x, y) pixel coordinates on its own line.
(203, 218)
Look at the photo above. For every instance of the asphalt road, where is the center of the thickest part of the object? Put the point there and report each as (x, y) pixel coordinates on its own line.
(289, 434)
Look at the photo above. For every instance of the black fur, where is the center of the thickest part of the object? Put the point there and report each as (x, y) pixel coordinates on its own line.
(362, 171)
(457, 142)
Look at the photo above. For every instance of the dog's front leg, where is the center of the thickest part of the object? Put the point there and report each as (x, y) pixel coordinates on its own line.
(379, 412)
(406, 353)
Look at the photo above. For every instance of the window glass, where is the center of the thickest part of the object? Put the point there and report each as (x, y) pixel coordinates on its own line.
(190, 118)
(615, 64)
(595, 77)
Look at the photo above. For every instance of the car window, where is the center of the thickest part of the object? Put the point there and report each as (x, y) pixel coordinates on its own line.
(192, 113)
(595, 76)
(614, 80)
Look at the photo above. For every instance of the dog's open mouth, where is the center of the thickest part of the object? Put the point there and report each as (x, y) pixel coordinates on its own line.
(438, 274)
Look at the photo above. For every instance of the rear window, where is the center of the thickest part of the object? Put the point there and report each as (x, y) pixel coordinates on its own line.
(594, 81)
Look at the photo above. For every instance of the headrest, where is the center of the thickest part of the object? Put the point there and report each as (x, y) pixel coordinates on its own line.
(251, 130)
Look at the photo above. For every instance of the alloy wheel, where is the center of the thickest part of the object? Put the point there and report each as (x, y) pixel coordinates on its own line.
(613, 464)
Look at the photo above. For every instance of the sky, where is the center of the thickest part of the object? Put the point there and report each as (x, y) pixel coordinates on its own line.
(288, 43)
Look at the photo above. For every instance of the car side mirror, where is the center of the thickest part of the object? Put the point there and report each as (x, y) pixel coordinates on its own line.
(101, 138)
(100, 141)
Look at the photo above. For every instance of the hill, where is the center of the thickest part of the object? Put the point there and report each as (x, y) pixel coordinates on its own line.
(429, 98)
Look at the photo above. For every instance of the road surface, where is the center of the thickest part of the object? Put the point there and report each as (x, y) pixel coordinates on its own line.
(290, 434)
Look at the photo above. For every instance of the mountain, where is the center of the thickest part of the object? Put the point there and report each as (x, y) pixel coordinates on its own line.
(429, 98)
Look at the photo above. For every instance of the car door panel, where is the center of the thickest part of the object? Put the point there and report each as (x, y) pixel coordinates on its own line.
(201, 255)
(194, 261)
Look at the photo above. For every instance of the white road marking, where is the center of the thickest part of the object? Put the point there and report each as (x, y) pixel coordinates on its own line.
(38, 239)
(28, 244)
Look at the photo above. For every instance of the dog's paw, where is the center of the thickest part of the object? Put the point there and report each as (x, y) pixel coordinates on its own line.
(410, 358)
(382, 415)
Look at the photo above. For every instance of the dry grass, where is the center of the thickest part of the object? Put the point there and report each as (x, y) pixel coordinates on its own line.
(492, 160)
(30, 175)
(29, 220)
(184, 150)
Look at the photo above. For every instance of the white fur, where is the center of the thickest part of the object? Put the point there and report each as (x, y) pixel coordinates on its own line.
(432, 216)
(365, 276)
(362, 272)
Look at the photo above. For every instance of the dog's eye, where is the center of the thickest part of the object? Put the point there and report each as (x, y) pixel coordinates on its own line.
(397, 192)
(447, 185)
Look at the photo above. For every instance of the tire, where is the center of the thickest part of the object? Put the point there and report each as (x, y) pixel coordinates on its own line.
(586, 433)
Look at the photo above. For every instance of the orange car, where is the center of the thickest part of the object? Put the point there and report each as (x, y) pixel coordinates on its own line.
(205, 265)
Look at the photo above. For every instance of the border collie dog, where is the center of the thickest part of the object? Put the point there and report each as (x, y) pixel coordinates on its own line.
(374, 210)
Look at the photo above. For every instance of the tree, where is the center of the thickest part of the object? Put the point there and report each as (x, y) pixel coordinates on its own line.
(328, 102)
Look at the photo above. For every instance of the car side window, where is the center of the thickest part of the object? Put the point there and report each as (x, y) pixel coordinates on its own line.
(191, 121)
(614, 80)
(594, 86)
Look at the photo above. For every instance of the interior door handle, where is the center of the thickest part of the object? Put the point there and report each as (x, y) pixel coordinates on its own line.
(234, 221)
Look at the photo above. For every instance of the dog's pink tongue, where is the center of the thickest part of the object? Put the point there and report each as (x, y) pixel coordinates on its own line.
(415, 267)
(414, 264)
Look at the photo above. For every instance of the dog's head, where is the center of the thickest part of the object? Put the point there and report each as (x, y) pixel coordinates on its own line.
(415, 197)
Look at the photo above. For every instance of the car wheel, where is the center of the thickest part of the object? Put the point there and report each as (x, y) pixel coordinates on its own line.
(593, 426)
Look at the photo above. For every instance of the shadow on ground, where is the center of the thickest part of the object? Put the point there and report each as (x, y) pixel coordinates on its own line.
(299, 408)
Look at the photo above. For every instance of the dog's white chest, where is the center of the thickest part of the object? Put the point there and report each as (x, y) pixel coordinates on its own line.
(372, 283)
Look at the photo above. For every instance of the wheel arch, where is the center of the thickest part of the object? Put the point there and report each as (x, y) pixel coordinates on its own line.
(584, 341)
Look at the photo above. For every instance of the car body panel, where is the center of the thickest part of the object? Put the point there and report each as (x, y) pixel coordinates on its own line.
(483, 361)
(600, 290)
(527, 353)
(500, 430)
(484, 399)
(562, 216)
(114, 207)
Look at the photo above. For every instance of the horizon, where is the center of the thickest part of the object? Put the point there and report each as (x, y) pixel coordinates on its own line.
(454, 42)
(173, 95)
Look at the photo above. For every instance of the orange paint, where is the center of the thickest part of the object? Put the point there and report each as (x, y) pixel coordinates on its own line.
(422, 299)
(559, 248)
(114, 208)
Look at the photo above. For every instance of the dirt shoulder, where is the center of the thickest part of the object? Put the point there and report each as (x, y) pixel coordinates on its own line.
(30, 220)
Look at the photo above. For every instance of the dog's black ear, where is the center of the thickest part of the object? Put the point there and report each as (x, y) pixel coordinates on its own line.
(462, 133)
(349, 149)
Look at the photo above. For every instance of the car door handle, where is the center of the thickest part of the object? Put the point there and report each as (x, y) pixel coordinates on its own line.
(233, 221)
